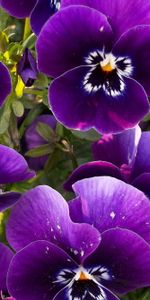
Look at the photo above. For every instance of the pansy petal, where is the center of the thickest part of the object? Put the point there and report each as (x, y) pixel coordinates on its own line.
(48, 218)
(142, 182)
(105, 295)
(118, 149)
(44, 9)
(80, 109)
(127, 258)
(8, 199)
(142, 162)
(60, 47)
(13, 166)
(34, 271)
(5, 83)
(5, 257)
(18, 8)
(121, 14)
(138, 52)
(91, 169)
(108, 203)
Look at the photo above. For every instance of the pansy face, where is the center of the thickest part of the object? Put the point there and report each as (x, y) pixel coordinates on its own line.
(100, 79)
(86, 260)
(84, 283)
(107, 73)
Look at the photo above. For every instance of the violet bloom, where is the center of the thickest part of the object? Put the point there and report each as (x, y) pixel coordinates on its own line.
(106, 253)
(38, 10)
(125, 156)
(13, 168)
(27, 68)
(33, 140)
(101, 61)
(5, 83)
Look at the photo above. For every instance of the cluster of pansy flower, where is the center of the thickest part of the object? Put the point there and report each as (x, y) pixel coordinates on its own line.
(96, 246)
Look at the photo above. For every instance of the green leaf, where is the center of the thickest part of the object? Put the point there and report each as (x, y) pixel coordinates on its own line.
(5, 113)
(59, 130)
(40, 151)
(3, 42)
(18, 108)
(3, 17)
(90, 135)
(45, 132)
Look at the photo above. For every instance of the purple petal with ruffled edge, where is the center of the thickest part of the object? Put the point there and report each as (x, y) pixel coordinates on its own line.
(5, 257)
(138, 52)
(79, 109)
(118, 149)
(41, 13)
(126, 256)
(5, 83)
(33, 271)
(18, 8)
(91, 169)
(60, 47)
(48, 218)
(121, 14)
(8, 199)
(13, 166)
(33, 139)
(108, 203)
(142, 162)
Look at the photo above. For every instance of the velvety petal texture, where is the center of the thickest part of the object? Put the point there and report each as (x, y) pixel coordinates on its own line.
(127, 256)
(142, 162)
(34, 270)
(108, 203)
(121, 14)
(13, 166)
(142, 182)
(91, 169)
(45, 9)
(60, 47)
(18, 8)
(96, 109)
(138, 51)
(5, 257)
(118, 149)
(48, 219)
(5, 83)
(8, 199)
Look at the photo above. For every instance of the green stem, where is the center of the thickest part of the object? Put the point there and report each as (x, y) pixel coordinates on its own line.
(27, 29)
(33, 92)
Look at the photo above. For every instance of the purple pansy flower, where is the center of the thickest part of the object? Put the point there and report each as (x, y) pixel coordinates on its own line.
(13, 168)
(38, 10)
(33, 139)
(106, 252)
(5, 83)
(27, 68)
(101, 61)
(125, 156)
